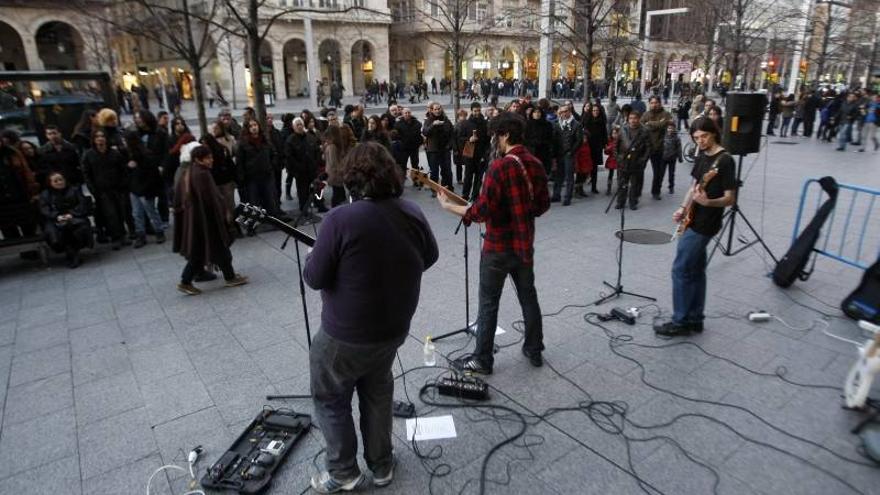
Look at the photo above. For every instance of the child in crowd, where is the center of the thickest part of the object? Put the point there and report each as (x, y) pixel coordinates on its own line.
(611, 162)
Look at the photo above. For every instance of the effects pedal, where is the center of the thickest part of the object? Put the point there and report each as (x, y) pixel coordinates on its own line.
(623, 315)
(403, 409)
(465, 388)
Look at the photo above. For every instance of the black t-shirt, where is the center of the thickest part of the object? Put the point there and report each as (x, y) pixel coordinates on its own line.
(707, 219)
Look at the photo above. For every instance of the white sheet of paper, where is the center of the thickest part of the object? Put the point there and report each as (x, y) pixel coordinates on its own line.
(498, 329)
(430, 428)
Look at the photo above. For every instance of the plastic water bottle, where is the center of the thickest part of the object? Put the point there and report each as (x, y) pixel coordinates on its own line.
(430, 360)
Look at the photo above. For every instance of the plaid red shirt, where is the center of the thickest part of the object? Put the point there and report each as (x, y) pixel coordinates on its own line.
(508, 206)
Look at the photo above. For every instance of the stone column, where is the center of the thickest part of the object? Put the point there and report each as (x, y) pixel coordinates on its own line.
(31, 53)
(347, 80)
(314, 71)
(546, 51)
(278, 71)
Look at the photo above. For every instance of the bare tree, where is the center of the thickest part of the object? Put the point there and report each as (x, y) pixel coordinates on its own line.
(228, 53)
(182, 27)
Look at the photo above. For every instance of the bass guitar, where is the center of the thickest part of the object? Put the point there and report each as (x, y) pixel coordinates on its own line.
(249, 216)
(688, 217)
(420, 179)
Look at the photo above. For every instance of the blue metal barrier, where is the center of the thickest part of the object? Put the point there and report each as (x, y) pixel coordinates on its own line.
(855, 239)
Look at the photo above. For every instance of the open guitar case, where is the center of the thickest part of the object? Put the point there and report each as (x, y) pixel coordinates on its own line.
(792, 266)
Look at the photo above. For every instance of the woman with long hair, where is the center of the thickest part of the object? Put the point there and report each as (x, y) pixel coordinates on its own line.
(254, 159)
(181, 135)
(82, 132)
(104, 170)
(66, 225)
(335, 147)
(539, 138)
(145, 186)
(375, 132)
(596, 128)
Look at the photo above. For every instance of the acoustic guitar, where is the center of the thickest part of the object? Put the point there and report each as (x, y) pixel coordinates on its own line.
(688, 217)
(861, 375)
(420, 179)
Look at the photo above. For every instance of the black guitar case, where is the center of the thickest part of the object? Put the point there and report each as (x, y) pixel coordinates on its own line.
(792, 265)
(864, 302)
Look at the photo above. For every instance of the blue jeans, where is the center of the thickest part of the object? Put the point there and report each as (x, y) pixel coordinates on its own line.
(689, 278)
(494, 268)
(844, 135)
(440, 166)
(141, 205)
(261, 192)
(564, 174)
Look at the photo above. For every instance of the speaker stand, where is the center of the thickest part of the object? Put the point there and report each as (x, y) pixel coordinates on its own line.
(729, 225)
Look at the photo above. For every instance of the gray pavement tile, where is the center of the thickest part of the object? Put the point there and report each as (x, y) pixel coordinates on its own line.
(222, 361)
(42, 337)
(83, 297)
(153, 333)
(238, 398)
(96, 336)
(106, 397)
(138, 312)
(100, 363)
(123, 479)
(198, 336)
(170, 397)
(40, 364)
(41, 440)
(128, 295)
(90, 314)
(52, 478)
(673, 472)
(205, 428)
(259, 334)
(35, 399)
(159, 361)
(36, 317)
(114, 442)
(7, 332)
(282, 361)
(42, 298)
(125, 279)
(585, 473)
(500, 478)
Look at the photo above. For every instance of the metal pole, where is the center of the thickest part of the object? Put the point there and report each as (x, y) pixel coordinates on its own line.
(800, 49)
(644, 53)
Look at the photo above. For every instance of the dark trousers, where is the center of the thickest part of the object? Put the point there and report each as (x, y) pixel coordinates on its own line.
(303, 188)
(338, 196)
(288, 183)
(111, 206)
(195, 267)
(808, 127)
(494, 269)
(438, 163)
(679, 125)
(473, 178)
(771, 124)
(337, 369)
(411, 155)
(261, 192)
(458, 161)
(564, 176)
(70, 237)
(163, 201)
(659, 171)
(594, 174)
(629, 184)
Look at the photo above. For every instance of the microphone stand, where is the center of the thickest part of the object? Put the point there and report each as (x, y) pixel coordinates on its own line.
(467, 285)
(617, 288)
(302, 294)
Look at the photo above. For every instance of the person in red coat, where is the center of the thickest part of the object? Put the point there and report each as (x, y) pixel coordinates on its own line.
(583, 165)
(611, 162)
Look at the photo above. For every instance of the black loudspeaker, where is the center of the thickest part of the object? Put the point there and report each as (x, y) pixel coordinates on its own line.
(743, 120)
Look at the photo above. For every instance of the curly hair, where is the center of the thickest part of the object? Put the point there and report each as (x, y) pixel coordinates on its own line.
(369, 171)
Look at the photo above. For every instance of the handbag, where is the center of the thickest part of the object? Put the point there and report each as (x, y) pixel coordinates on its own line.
(468, 150)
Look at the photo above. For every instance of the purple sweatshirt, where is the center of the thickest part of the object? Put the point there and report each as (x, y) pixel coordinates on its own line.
(368, 262)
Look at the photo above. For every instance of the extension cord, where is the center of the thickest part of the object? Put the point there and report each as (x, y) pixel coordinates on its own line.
(468, 388)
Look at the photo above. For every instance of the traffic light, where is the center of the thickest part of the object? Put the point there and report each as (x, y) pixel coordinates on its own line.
(771, 66)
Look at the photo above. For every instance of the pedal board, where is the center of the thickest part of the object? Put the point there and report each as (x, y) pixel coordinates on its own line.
(464, 388)
(403, 409)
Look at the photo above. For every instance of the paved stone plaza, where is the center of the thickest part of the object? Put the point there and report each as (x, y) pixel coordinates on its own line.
(107, 372)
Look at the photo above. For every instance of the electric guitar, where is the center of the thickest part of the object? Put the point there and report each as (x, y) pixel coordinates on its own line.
(861, 376)
(249, 216)
(688, 217)
(420, 178)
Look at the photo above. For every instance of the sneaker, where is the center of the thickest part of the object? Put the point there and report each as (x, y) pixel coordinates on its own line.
(188, 289)
(633, 207)
(534, 358)
(381, 479)
(236, 281)
(140, 242)
(160, 237)
(656, 196)
(472, 365)
(205, 277)
(555, 199)
(324, 483)
(672, 329)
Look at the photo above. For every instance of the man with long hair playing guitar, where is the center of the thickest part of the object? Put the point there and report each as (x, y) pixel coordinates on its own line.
(701, 214)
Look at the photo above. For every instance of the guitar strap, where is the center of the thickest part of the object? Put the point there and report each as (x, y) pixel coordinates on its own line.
(525, 174)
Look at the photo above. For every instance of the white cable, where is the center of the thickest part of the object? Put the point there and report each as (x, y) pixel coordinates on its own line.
(177, 468)
(843, 339)
(790, 327)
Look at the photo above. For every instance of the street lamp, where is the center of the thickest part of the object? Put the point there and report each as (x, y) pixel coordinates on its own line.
(648, 15)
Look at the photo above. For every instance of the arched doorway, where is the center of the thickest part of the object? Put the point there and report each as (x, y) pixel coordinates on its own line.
(331, 68)
(296, 69)
(12, 56)
(362, 53)
(530, 67)
(60, 46)
(268, 75)
(508, 64)
(481, 62)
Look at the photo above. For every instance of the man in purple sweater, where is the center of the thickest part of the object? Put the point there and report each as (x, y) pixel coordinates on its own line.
(368, 263)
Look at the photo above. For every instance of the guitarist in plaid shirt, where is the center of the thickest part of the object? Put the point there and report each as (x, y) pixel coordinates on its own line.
(514, 193)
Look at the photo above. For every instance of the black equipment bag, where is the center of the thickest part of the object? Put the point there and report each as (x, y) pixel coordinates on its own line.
(791, 266)
(864, 302)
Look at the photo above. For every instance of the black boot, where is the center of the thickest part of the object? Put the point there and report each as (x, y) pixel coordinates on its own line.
(608, 191)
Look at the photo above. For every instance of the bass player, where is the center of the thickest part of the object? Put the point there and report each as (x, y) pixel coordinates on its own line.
(703, 211)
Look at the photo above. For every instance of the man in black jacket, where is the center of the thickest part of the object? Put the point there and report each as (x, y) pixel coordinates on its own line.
(59, 155)
(570, 137)
(302, 152)
(633, 149)
(438, 141)
(473, 130)
(409, 130)
(811, 105)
